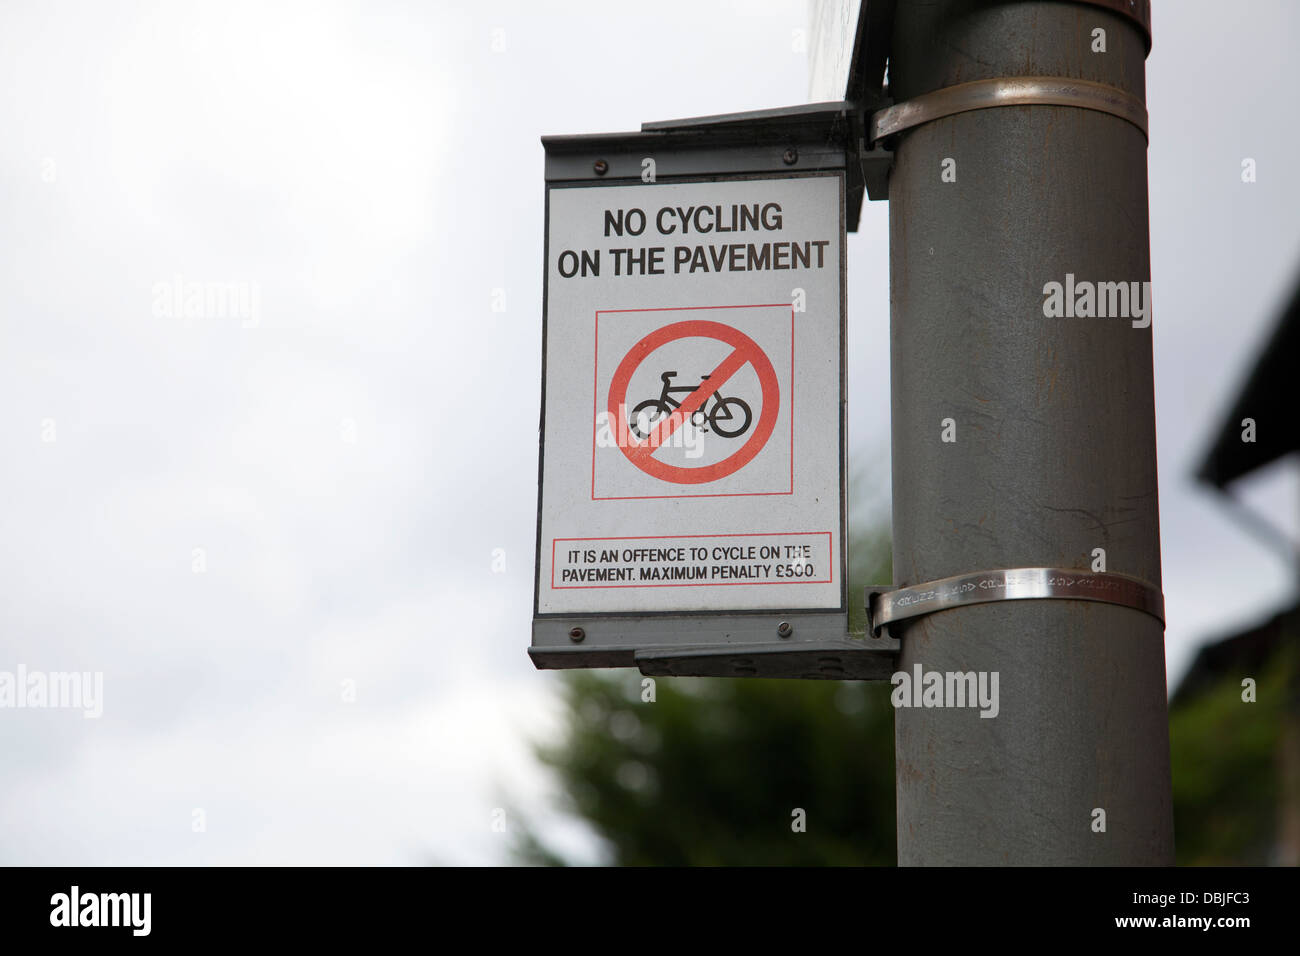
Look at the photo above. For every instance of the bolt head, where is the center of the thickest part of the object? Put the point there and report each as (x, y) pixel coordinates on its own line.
(601, 167)
(784, 629)
(577, 633)
(790, 156)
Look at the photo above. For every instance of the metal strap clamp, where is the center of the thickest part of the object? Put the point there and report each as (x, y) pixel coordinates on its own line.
(1007, 91)
(885, 606)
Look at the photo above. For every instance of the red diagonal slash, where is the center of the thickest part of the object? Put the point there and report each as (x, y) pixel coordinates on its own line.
(729, 366)
(744, 351)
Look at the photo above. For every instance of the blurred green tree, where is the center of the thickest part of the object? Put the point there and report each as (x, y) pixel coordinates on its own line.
(1228, 760)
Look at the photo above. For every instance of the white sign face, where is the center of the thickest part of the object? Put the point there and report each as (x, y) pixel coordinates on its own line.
(693, 423)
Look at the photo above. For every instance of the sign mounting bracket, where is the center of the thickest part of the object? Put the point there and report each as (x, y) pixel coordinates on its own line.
(803, 172)
(809, 136)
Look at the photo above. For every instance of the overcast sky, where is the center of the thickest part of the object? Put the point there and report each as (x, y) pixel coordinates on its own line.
(245, 521)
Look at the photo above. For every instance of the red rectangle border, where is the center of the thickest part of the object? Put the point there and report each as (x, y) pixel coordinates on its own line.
(830, 563)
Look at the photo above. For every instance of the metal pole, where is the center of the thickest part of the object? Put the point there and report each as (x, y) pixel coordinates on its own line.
(1054, 453)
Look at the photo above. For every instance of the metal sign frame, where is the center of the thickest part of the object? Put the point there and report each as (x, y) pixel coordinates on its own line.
(817, 140)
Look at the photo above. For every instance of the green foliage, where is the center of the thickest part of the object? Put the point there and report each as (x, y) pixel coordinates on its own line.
(711, 772)
(1225, 773)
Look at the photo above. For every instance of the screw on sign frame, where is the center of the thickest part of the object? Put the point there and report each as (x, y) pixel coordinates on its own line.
(745, 351)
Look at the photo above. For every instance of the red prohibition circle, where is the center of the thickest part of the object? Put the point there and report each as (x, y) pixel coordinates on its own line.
(746, 352)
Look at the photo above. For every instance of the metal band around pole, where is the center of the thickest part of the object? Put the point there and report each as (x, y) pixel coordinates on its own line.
(1008, 91)
(1015, 584)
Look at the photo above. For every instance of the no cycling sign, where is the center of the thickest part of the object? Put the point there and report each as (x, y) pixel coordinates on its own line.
(648, 427)
(692, 413)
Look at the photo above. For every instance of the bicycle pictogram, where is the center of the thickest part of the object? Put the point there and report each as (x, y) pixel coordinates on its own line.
(728, 417)
(676, 405)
